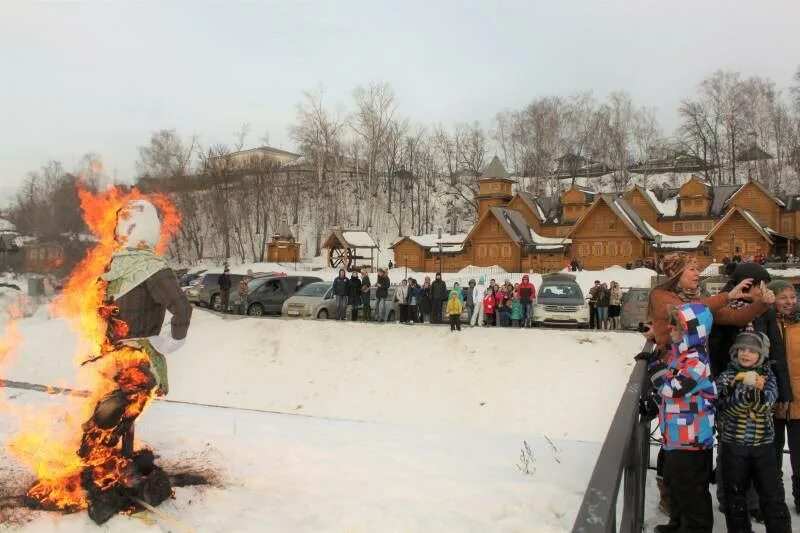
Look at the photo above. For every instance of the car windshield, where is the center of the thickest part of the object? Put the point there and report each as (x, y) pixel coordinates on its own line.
(315, 289)
(561, 290)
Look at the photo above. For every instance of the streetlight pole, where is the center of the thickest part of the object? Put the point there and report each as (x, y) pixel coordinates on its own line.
(733, 240)
(406, 261)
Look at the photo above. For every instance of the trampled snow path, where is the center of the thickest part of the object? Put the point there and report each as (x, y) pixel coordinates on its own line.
(444, 416)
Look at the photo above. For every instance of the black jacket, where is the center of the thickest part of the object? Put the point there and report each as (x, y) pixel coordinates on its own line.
(438, 289)
(340, 286)
(383, 287)
(354, 289)
(225, 282)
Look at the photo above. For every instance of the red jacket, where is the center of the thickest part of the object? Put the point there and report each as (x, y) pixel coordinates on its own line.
(527, 286)
(488, 304)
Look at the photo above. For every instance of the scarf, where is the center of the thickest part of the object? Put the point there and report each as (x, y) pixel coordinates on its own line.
(688, 295)
(130, 268)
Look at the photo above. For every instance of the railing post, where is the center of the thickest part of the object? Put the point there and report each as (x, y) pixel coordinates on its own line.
(623, 456)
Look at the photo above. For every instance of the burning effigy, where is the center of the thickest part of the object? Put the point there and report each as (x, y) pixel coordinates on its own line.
(116, 299)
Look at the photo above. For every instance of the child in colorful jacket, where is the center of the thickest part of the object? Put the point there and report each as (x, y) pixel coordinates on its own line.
(516, 311)
(489, 302)
(454, 308)
(686, 395)
(748, 390)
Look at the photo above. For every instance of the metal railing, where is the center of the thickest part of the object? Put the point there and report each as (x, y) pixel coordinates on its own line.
(625, 455)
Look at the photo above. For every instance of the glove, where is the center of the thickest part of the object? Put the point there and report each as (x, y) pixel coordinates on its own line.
(658, 374)
(749, 379)
(165, 343)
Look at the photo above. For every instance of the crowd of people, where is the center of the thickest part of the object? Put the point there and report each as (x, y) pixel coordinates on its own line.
(728, 365)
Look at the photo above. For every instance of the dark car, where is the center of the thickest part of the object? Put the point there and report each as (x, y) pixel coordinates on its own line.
(267, 294)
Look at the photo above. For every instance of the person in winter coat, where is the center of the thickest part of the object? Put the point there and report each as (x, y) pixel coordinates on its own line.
(354, 295)
(526, 294)
(459, 292)
(593, 293)
(224, 290)
(414, 296)
(401, 297)
(720, 343)
(244, 292)
(516, 311)
(438, 295)
(340, 290)
(454, 308)
(142, 288)
(787, 416)
(603, 301)
(425, 303)
(747, 391)
(478, 292)
(365, 295)
(381, 294)
(489, 303)
(686, 395)
(615, 305)
(470, 299)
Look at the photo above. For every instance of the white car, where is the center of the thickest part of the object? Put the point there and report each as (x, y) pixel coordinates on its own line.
(560, 302)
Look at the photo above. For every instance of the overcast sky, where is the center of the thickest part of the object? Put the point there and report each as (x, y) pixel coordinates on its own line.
(79, 77)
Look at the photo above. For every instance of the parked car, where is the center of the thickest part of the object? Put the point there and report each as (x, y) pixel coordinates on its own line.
(560, 301)
(634, 308)
(267, 294)
(207, 292)
(317, 301)
(189, 278)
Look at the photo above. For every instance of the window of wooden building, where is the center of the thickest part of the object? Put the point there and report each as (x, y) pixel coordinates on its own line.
(597, 249)
(677, 226)
(627, 249)
(584, 249)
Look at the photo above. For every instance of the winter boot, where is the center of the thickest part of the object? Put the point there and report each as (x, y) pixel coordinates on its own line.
(664, 501)
(796, 493)
(667, 528)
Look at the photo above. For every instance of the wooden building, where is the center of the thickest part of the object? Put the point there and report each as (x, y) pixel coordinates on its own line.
(283, 248)
(523, 232)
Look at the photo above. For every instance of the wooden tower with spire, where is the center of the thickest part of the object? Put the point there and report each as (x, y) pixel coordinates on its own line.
(494, 187)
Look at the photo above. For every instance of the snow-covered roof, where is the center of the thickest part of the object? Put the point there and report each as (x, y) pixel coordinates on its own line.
(359, 239)
(667, 208)
(682, 242)
(432, 240)
(541, 241)
(7, 225)
(754, 221)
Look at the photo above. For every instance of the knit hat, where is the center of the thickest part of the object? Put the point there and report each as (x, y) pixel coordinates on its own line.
(675, 263)
(752, 340)
(779, 285)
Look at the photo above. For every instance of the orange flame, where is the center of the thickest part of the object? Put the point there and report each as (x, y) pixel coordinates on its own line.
(50, 450)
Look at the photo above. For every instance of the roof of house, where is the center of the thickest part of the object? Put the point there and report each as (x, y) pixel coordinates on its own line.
(495, 170)
(351, 239)
(751, 218)
(753, 153)
(432, 240)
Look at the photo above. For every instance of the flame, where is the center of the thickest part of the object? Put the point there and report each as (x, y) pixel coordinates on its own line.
(51, 451)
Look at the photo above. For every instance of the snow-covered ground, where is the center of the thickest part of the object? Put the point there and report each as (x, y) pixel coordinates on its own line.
(328, 426)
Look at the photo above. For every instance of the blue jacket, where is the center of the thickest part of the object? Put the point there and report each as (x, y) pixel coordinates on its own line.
(414, 294)
(340, 286)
